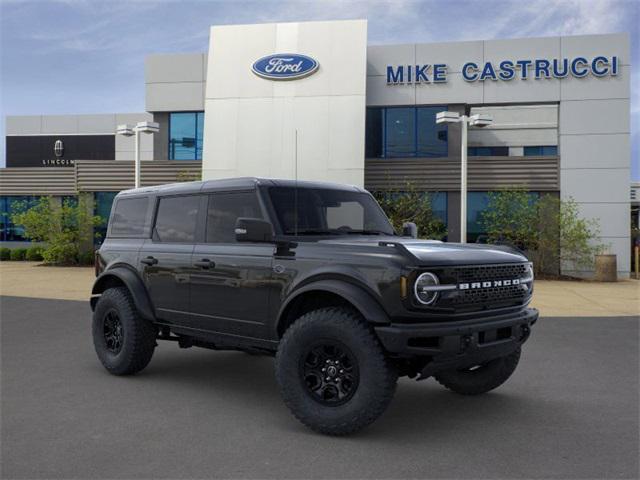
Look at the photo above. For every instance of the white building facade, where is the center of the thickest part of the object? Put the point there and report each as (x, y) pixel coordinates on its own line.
(312, 100)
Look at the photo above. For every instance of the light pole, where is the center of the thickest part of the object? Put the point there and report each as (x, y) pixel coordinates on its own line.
(477, 120)
(128, 131)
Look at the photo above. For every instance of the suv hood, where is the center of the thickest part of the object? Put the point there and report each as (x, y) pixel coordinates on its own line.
(433, 252)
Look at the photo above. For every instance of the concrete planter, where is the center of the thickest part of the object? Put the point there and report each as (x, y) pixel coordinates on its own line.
(606, 268)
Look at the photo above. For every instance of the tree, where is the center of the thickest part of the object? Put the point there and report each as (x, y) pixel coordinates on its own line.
(549, 229)
(66, 229)
(410, 205)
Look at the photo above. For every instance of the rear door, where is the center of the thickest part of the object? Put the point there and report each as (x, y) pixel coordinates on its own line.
(230, 291)
(166, 257)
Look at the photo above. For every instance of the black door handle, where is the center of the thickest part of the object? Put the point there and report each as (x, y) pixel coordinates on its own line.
(149, 261)
(204, 263)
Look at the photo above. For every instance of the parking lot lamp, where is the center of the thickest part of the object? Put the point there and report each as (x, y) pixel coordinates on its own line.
(128, 131)
(477, 120)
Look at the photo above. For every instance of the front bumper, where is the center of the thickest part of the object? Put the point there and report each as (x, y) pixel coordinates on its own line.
(450, 345)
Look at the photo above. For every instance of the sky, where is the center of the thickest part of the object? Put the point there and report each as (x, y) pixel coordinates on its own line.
(87, 56)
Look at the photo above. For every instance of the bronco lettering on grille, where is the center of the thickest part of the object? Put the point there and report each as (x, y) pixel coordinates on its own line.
(488, 284)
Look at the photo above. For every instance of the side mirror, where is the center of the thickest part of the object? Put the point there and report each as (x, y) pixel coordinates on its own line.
(253, 230)
(410, 229)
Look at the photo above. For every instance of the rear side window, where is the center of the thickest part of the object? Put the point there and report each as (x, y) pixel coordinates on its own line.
(224, 209)
(129, 217)
(176, 219)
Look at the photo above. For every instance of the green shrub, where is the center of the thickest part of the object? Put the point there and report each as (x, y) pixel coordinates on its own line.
(548, 228)
(86, 258)
(18, 254)
(5, 253)
(34, 254)
(67, 229)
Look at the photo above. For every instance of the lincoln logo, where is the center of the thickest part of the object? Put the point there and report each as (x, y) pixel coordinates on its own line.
(488, 284)
(58, 148)
(284, 66)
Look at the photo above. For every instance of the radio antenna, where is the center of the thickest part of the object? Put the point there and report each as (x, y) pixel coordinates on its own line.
(295, 190)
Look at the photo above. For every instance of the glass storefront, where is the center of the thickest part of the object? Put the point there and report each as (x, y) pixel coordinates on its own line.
(185, 135)
(396, 132)
(477, 203)
(10, 232)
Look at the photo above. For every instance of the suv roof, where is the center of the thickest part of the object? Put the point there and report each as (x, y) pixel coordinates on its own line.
(236, 183)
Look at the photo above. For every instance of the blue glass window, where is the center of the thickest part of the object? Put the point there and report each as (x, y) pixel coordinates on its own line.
(10, 232)
(477, 203)
(488, 151)
(185, 135)
(432, 137)
(541, 151)
(400, 138)
(405, 132)
(439, 205)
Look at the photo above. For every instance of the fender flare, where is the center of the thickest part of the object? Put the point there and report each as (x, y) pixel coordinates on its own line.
(363, 301)
(133, 282)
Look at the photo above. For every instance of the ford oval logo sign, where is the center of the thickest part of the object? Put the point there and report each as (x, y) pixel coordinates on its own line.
(285, 66)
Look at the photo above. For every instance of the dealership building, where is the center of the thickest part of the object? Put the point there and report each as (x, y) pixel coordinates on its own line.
(312, 100)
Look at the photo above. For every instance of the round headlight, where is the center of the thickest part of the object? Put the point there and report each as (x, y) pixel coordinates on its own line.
(424, 294)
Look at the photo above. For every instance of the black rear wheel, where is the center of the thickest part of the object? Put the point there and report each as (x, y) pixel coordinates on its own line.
(124, 342)
(333, 373)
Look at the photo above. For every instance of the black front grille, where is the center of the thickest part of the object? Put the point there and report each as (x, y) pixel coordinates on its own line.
(490, 272)
(491, 294)
(474, 298)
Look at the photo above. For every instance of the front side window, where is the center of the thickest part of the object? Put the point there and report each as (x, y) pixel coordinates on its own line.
(318, 211)
(223, 212)
(185, 135)
(176, 219)
(129, 217)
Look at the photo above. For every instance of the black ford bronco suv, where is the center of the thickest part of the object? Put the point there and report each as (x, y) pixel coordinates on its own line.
(314, 274)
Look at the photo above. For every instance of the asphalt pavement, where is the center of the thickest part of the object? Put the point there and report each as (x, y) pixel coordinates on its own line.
(569, 411)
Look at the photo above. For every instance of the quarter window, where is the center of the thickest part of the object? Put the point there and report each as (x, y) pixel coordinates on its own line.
(176, 219)
(129, 217)
(223, 212)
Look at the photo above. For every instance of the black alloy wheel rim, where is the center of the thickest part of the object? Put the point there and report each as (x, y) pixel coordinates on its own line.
(329, 373)
(113, 332)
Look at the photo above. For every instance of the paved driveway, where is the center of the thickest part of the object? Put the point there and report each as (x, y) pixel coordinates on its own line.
(570, 411)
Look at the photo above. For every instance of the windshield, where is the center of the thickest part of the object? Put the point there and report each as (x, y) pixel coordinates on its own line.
(328, 212)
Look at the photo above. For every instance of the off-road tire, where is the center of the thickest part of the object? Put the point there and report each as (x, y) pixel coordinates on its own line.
(481, 380)
(376, 381)
(138, 335)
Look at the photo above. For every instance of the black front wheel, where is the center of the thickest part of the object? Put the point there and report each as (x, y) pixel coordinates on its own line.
(332, 372)
(124, 342)
(480, 378)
